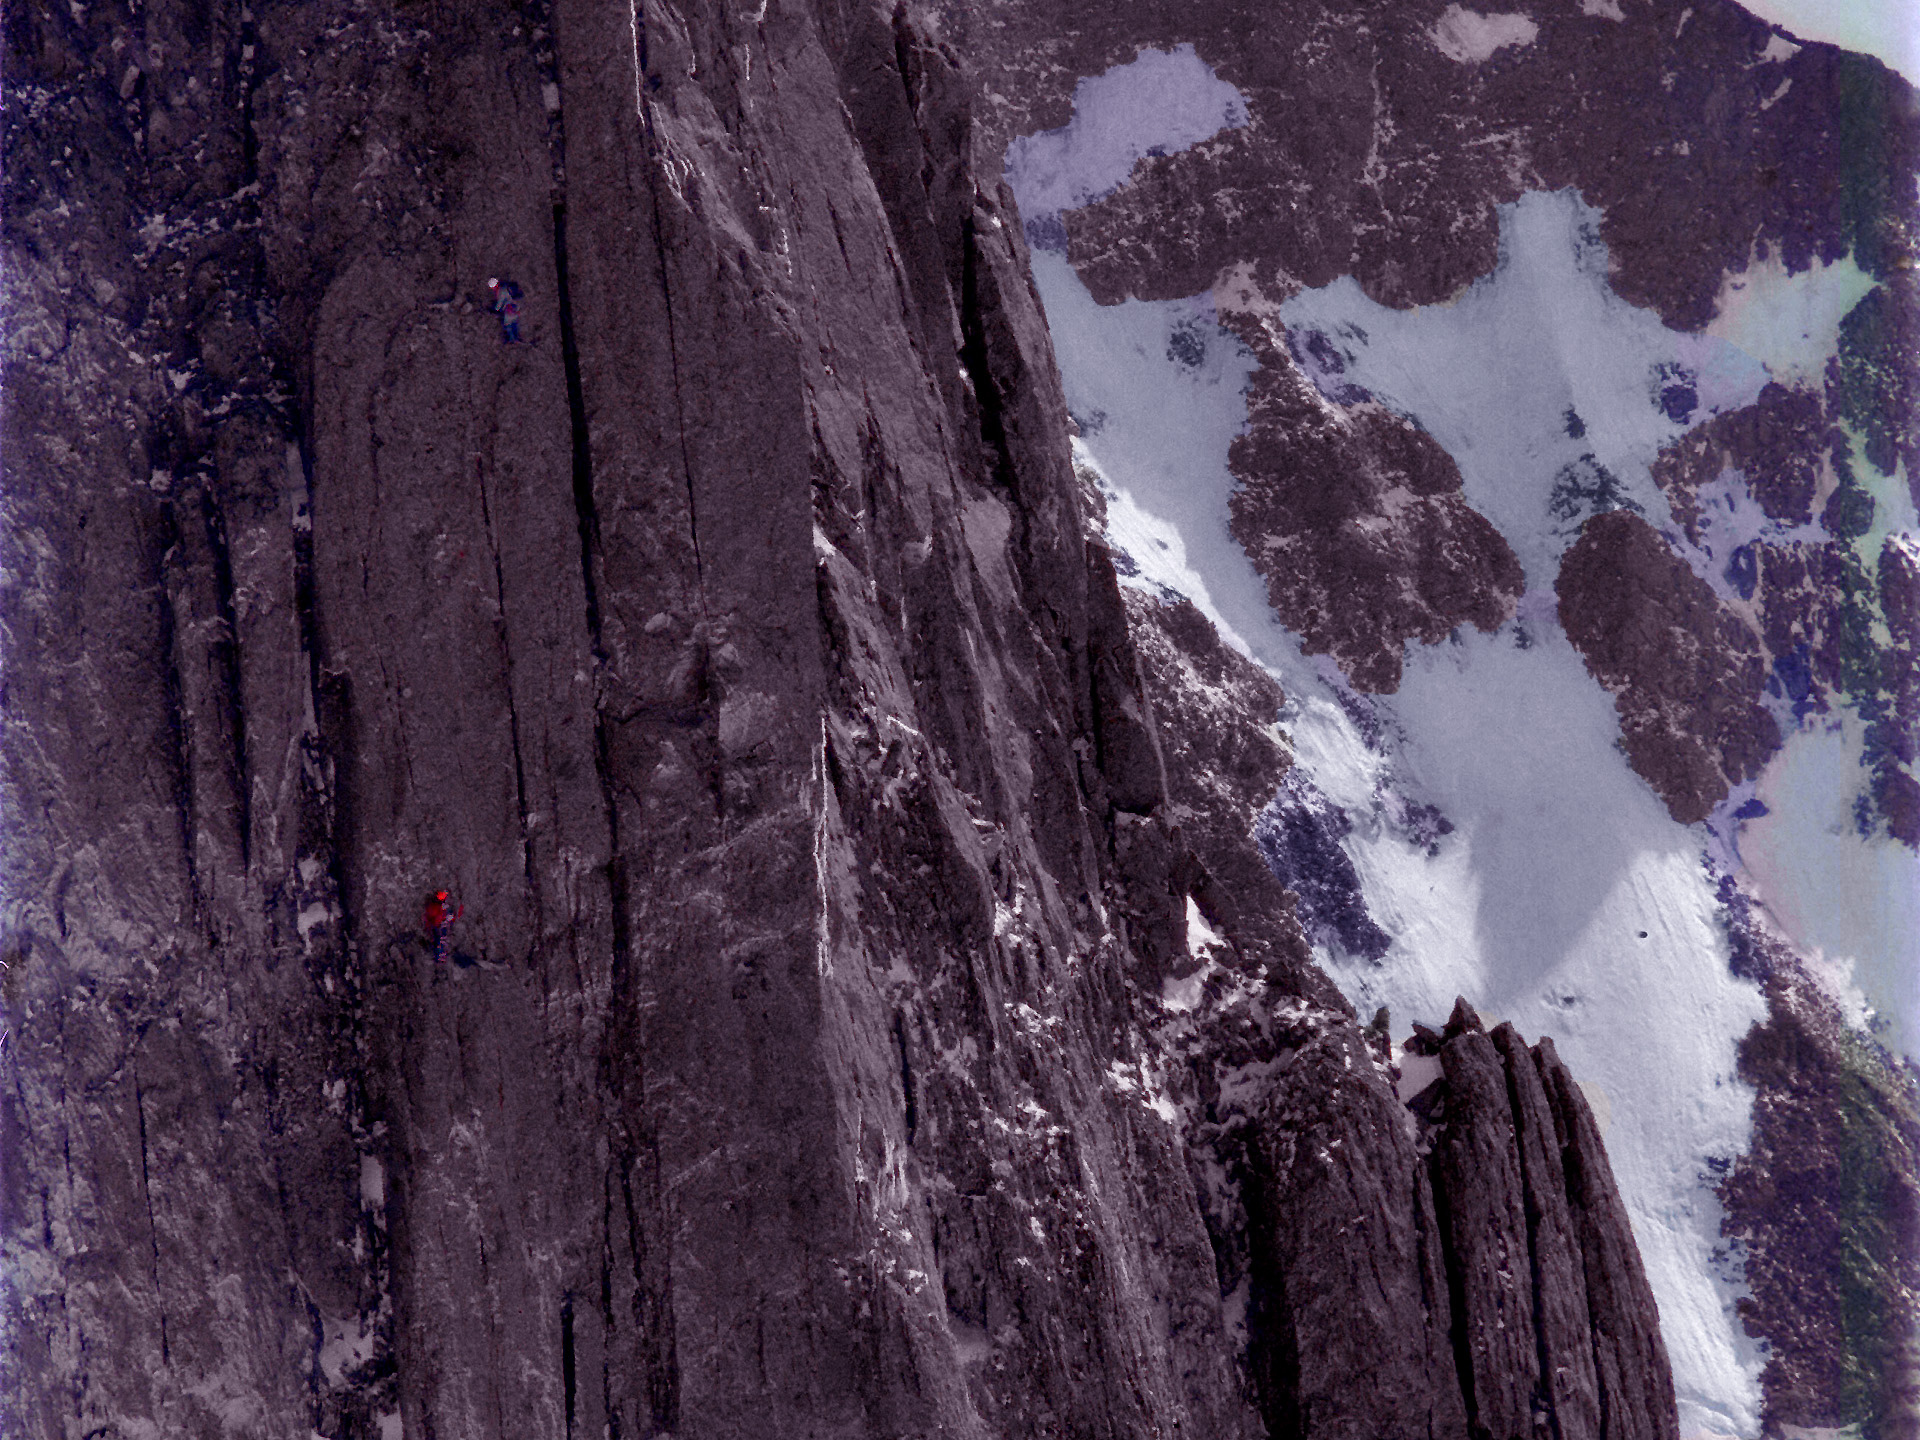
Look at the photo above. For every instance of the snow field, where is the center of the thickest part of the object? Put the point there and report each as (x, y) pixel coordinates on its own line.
(1533, 367)
(1852, 904)
(1886, 29)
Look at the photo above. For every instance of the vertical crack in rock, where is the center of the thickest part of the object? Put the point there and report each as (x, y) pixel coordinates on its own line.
(179, 751)
(652, 1311)
(226, 660)
(1459, 1334)
(567, 1376)
(583, 500)
(1560, 1308)
(587, 515)
(504, 629)
(906, 1076)
(658, 159)
(153, 1228)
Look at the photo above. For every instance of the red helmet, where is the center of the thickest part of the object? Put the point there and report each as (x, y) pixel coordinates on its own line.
(439, 894)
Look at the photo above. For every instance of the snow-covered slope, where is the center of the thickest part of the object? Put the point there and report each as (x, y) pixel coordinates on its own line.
(1554, 890)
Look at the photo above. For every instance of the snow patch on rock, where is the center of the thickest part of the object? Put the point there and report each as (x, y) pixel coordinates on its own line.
(1159, 103)
(1788, 321)
(1469, 36)
(1851, 902)
(1496, 375)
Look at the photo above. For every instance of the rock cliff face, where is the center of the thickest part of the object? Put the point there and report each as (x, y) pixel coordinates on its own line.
(869, 1013)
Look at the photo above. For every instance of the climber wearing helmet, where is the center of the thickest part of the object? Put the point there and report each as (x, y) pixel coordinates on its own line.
(505, 298)
(438, 923)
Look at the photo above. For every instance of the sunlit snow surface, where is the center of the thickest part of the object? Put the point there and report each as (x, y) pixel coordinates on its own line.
(1887, 29)
(1565, 899)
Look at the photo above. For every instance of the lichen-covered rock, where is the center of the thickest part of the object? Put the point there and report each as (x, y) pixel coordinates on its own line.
(1826, 1205)
(1778, 444)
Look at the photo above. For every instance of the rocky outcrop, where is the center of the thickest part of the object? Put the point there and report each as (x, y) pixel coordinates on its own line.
(1812, 599)
(1370, 151)
(1686, 673)
(1826, 1205)
(733, 648)
(1462, 1265)
(1778, 444)
(1355, 519)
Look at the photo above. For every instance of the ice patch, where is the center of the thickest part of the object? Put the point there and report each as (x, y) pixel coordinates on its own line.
(970, 1342)
(1201, 937)
(345, 1346)
(1470, 37)
(1159, 103)
(1599, 1104)
(1417, 1072)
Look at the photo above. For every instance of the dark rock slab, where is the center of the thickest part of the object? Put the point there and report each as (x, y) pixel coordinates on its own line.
(1686, 672)
(1568, 1383)
(1629, 1357)
(1477, 1171)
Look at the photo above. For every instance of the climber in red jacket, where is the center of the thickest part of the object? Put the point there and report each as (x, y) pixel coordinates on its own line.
(504, 300)
(438, 923)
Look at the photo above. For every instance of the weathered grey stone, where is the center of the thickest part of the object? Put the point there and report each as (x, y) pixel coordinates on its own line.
(1629, 1357)
(1559, 1282)
(735, 651)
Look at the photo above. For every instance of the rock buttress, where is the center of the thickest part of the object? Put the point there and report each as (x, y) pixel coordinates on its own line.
(1459, 1264)
(731, 649)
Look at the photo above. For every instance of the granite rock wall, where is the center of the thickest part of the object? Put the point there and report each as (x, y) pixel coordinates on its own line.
(734, 650)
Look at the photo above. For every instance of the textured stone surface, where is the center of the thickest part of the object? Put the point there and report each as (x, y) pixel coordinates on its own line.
(1686, 674)
(1777, 444)
(1629, 1357)
(1569, 1386)
(1826, 1205)
(1355, 519)
(1812, 600)
(736, 652)
(1478, 1168)
(1404, 1271)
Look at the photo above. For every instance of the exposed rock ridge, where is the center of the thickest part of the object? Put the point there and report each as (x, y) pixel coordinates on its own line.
(1355, 517)
(1463, 1266)
(1814, 598)
(735, 651)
